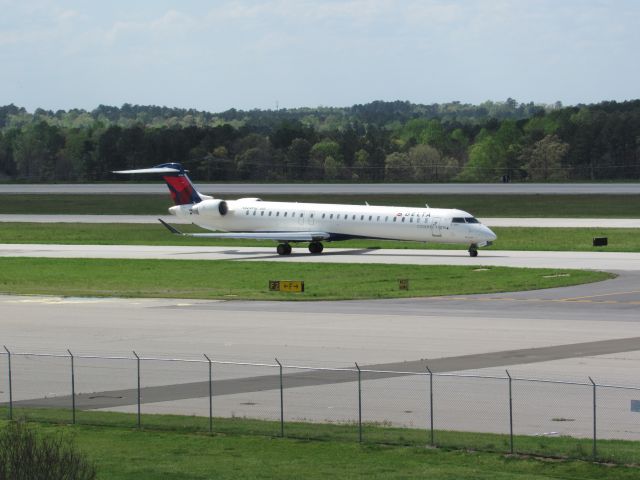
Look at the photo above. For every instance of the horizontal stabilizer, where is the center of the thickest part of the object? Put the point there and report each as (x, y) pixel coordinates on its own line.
(150, 170)
(276, 236)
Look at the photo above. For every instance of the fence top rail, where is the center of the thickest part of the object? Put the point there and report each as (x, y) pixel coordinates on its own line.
(206, 360)
(472, 375)
(561, 382)
(66, 355)
(619, 387)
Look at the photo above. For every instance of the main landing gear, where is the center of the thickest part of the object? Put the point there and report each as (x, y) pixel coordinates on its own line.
(285, 248)
(473, 250)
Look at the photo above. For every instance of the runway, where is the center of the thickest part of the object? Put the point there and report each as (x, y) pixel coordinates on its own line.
(338, 189)
(564, 334)
(618, 261)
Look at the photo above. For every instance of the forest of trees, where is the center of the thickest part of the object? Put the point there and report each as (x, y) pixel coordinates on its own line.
(380, 141)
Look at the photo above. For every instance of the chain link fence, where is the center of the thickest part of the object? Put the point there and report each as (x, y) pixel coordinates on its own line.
(507, 414)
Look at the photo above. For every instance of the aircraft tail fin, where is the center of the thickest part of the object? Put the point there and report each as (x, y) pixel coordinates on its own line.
(182, 190)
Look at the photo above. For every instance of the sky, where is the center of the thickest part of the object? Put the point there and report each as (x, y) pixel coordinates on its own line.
(216, 55)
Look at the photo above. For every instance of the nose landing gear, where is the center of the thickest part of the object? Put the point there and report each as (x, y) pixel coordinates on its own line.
(473, 250)
(316, 247)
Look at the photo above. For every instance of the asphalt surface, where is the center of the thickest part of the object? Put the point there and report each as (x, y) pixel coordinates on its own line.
(343, 189)
(565, 334)
(561, 260)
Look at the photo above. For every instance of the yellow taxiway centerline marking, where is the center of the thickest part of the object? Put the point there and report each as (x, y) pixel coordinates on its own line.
(542, 300)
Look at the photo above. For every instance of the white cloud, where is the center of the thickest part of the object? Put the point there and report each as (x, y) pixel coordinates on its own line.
(171, 22)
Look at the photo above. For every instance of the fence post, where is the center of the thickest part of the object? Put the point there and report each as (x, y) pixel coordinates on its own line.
(281, 401)
(138, 365)
(595, 452)
(510, 413)
(210, 396)
(73, 389)
(431, 403)
(10, 385)
(359, 403)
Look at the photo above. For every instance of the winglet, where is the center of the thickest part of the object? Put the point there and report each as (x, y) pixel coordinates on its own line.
(170, 228)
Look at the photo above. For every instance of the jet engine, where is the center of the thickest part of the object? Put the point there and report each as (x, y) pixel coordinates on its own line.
(211, 208)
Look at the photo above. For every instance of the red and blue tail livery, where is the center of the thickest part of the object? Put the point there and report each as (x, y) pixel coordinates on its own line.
(182, 190)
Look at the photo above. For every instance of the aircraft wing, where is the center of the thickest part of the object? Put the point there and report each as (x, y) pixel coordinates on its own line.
(296, 236)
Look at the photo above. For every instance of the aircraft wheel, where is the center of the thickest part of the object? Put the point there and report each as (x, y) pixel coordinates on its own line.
(473, 252)
(315, 247)
(283, 249)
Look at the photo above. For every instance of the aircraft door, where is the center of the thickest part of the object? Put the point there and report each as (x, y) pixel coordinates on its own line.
(435, 225)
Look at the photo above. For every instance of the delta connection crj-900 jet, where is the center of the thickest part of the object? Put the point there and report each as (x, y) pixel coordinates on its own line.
(287, 222)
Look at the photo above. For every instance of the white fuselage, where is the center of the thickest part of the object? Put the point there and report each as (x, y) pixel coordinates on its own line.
(341, 221)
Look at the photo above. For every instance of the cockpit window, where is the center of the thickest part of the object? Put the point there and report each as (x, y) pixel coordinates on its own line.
(471, 220)
(457, 220)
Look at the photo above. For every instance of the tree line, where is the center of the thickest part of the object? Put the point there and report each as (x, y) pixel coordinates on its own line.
(375, 142)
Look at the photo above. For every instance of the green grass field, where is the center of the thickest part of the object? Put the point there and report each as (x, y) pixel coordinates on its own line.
(174, 447)
(511, 238)
(579, 206)
(250, 280)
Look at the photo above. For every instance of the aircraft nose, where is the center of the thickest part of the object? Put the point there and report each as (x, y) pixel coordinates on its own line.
(490, 236)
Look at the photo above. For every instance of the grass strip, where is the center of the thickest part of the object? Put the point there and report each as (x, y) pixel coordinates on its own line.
(223, 279)
(509, 238)
(564, 206)
(171, 446)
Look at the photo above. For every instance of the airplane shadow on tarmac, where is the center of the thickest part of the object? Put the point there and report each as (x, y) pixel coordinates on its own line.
(341, 253)
(252, 255)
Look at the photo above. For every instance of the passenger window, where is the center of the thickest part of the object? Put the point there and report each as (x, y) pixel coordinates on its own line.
(324, 215)
(346, 216)
(361, 217)
(285, 214)
(411, 220)
(269, 213)
(395, 218)
(247, 212)
(331, 216)
(277, 214)
(311, 215)
(254, 213)
(354, 217)
(403, 219)
(262, 213)
(301, 214)
(370, 217)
